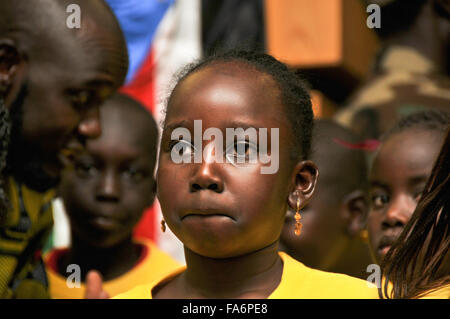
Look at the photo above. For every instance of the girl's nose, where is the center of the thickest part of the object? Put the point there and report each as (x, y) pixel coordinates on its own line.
(206, 175)
(399, 212)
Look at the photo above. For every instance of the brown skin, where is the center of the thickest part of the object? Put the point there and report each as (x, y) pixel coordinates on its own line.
(234, 254)
(333, 219)
(106, 191)
(398, 176)
(68, 74)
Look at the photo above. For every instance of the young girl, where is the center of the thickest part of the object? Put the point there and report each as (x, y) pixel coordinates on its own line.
(229, 213)
(398, 176)
(426, 232)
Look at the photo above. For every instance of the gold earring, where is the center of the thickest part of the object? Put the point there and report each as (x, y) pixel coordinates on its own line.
(298, 225)
(163, 225)
(364, 235)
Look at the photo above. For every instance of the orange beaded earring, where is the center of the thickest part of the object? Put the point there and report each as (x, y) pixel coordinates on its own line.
(298, 225)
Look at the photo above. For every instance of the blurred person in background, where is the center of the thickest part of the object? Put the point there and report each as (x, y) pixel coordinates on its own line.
(410, 73)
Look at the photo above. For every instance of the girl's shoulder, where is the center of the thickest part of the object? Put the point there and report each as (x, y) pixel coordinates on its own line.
(300, 281)
(439, 293)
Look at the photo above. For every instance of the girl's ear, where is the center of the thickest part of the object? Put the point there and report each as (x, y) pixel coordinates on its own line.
(304, 183)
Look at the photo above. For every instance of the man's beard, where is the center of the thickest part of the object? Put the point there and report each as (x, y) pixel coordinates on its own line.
(25, 159)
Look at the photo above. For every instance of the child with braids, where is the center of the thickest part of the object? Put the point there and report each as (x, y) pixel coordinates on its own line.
(427, 233)
(398, 178)
(398, 175)
(227, 209)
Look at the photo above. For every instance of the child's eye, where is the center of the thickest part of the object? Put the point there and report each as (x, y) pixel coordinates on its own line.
(85, 169)
(380, 200)
(181, 148)
(241, 151)
(135, 175)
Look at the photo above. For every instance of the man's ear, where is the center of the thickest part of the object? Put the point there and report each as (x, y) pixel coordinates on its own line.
(356, 209)
(12, 66)
(304, 182)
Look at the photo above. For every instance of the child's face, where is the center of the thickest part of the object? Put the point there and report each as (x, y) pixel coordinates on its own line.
(109, 186)
(216, 209)
(398, 176)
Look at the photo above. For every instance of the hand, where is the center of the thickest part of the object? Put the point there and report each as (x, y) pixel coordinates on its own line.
(94, 283)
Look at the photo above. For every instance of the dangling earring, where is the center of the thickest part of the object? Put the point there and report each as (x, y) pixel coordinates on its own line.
(163, 225)
(298, 225)
(364, 235)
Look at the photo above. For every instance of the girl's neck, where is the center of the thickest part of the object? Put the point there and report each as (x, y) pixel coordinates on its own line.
(254, 275)
(111, 262)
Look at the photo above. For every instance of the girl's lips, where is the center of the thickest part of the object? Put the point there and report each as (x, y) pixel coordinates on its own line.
(386, 243)
(204, 213)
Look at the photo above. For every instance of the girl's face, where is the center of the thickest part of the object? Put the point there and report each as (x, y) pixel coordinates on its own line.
(398, 177)
(221, 210)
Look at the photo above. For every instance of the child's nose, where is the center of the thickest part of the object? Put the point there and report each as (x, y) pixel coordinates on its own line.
(206, 178)
(399, 212)
(108, 188)
(90, 124)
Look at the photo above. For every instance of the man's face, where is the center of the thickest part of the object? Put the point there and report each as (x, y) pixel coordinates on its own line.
(60, 96)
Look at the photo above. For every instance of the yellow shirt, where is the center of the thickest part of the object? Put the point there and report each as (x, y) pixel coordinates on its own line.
(297, 282)
(441, 293)
(153, 264)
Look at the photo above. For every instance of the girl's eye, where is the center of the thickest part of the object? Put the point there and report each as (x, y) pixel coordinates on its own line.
(241, 151)
(379, 201)
(181, 148)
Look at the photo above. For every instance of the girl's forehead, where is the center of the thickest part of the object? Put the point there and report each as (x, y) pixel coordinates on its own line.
(234, 88)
